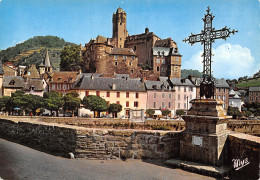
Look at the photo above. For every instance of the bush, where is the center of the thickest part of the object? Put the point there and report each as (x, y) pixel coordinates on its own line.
(165, 112)
(180, 112)
(150, 112)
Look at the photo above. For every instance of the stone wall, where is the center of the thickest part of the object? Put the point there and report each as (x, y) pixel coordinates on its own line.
(244, 156)
(90, 143)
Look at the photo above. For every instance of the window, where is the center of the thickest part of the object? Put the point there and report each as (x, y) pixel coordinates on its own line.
(214, 96)
(179, 105)
(86, 93)
(169, 105)
(130, 64)
(58, 86)
(116, 63)
(118, 94)
(163, 105)
(154, 95)
(176, 59)
(224, 90)
(120, 38)
(163, 61)
(53, 87)
(191, 89)
(179, 88)
(115, 57)
(108, 94)
(120, 46)
(132, 71)
(158, 61)
(154, 104)
(97, 93)
(190, 97)
(127, 104)
(133, 58)
(219, 89)
(170, 96)
(179, 96)
(219, 97)
(136, 95)
(136, 104)
(185, 97)
(184, 105)
(134, 48)
(224, 97)
(158, 69)
(64, 86)
(184, 88)
(224, 105)
(118, 102)
(175, 68)
(124, 57)
(127, 94)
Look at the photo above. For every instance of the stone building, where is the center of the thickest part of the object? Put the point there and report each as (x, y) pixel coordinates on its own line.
(130, 93)
(126, 54)
(254, 94)
(160, 95)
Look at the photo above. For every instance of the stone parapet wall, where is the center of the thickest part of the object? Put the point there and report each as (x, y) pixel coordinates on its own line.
(244, 156)
(92, 143)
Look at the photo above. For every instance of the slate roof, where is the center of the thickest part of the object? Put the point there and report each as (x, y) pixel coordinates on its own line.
(222, 83)
(18, 82)
(47, 60)
(254, 88)
(157, 85)
(100, 83)
(181, 82)
(32, 72)
(233, 95)
(1, 68)
(162, 78)
(65, 76)
(123, 51)
(165, 51)
(36, 83)
(8, 70)
(121, 76)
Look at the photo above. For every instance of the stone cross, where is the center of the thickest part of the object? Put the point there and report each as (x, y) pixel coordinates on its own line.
(206, 37)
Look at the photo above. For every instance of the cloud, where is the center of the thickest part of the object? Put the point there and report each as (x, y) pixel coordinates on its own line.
(229, 61)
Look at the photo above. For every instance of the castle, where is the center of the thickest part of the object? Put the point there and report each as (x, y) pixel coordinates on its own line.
(125, 54)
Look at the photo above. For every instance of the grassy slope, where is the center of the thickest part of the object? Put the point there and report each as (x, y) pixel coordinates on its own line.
(250, 83)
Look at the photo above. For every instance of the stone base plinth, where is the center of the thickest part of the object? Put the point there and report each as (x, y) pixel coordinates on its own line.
(204, 140)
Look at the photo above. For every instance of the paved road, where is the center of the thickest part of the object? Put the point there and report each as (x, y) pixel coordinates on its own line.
(20, 162)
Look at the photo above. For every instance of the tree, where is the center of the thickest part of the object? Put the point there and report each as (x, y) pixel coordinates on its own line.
(150, 112)
(33, 102)
(19, 100)
(70, 58)
(180, 112)
(115, 108)
(71, 102)
(234, 112)
(6, 104)
(165, 112)
(53, 101)
(95, 103)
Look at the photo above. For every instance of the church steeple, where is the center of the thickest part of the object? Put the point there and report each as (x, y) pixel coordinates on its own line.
(47, 64)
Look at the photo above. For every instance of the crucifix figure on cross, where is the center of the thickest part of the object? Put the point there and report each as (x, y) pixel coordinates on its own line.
(207, 37)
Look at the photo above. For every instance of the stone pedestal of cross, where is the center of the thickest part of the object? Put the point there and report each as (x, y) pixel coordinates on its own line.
(207, 37)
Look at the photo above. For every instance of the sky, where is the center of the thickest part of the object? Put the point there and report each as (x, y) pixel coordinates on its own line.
(78, 21)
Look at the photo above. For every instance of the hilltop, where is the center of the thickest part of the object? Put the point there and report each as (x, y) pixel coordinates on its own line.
(185, 73)
(32, 51)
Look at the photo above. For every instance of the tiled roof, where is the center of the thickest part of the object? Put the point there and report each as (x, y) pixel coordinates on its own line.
(99, 83)
(157, 85)
(64, 76)
(181, 82)
(123, 51)
(254, 88)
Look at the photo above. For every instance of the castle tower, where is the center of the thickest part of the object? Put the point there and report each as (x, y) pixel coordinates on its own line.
(119, 28)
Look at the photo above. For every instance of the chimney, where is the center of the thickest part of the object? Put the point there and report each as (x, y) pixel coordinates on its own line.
(146, 30)
(113, 86)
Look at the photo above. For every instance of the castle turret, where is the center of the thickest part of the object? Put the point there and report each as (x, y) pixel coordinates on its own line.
(119, 28)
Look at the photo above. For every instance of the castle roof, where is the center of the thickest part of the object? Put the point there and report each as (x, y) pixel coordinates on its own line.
(119, 10)
(100, 83)
(164, 42)
(165, 51)
(101, 39)
(140, 36)
(123, 51)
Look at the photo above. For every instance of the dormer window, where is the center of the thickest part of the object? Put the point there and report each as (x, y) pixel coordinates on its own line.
(32, 88)
(59, 79)
(163, 53)
(11, 82)
(158, 53)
